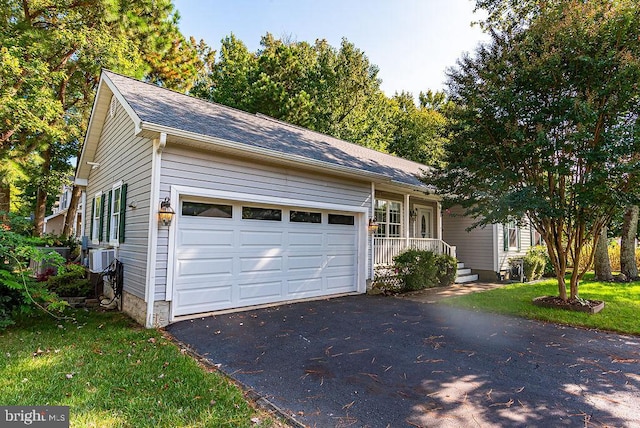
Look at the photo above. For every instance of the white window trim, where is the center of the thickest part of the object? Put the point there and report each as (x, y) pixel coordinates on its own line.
(115, 225)
(95, 220)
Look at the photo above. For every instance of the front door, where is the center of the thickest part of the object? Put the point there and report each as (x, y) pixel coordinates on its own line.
(424, 223)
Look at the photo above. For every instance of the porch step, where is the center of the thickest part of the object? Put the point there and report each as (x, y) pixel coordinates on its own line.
(466, 278)
(464, 275)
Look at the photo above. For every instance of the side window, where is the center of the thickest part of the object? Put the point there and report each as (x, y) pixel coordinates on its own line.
(511, 236)
(96, 218)
(115, 213)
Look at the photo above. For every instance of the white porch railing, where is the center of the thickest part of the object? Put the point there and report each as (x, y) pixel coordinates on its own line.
(385, 249)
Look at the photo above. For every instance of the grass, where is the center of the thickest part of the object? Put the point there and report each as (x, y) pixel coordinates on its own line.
(113, 373)
(620, 314)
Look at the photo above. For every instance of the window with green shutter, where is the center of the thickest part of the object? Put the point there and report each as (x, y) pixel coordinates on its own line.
(96, 218)
(117, 208)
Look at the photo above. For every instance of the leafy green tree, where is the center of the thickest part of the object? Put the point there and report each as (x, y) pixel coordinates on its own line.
(419, 130)
(546, 123)
(334, 91)
(52, 54)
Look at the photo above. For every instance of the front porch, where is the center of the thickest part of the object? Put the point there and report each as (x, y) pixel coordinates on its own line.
(385, 249)
(409, 221)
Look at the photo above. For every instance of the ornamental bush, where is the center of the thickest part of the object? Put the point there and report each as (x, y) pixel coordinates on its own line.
(419, 269)
(540, 257)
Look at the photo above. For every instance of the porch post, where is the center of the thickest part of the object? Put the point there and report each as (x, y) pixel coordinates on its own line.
(439, 220)
(405, 220)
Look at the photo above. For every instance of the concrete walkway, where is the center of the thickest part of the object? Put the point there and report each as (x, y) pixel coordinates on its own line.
(433, 295)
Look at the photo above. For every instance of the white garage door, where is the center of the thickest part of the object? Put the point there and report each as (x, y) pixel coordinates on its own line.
(231, 255)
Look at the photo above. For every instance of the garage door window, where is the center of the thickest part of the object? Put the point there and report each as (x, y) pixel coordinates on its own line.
(347, 220)
(257, 213)
(197, 209)
(305, 217)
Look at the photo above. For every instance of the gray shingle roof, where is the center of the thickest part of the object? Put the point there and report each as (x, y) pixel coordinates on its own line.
(163, 107)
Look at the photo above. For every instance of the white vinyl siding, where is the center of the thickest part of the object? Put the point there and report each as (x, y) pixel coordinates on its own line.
(124, 157)
(190, 168)
(475, 248)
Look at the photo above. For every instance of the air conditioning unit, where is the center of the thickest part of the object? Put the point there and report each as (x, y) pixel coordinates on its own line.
(99, 260)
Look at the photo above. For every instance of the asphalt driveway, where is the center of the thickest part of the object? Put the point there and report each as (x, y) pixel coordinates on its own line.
(368, 361)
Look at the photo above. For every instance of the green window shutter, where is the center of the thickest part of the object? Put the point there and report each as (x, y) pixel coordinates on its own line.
(93, 210)
(123, 209)
(101, 228)
(505, 237)
(108, 213)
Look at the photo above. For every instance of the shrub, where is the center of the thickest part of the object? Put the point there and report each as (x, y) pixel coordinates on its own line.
(418, 269)
(540, 251)
(447, 269)
(70, 282)
(21, 294)
(534, 263)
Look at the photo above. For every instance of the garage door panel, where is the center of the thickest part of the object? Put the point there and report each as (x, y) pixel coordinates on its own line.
(205, 266)
(340, 281)
(306, 239)
(260, 264)
(340, 261)
(257, 238)
(345, 239)
(305, 262)
(251, 291)
(213, 238)
(223, 263)
(200, 300)
(306, 285)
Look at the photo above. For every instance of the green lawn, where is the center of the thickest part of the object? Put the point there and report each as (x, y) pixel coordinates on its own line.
(113, 373)
(621, 311)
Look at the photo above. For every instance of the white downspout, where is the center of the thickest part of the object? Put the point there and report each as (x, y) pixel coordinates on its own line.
(372, 215)
(152, 252)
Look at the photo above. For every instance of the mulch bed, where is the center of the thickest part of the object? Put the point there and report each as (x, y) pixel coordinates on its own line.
(580, 305)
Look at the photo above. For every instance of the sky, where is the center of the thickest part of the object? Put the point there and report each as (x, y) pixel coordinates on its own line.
(412, 42)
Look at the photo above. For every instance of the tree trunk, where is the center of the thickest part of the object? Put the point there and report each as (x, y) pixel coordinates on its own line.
(41, 195)
(601, 261)
(70, 219)
(628, 243)
(5, 199)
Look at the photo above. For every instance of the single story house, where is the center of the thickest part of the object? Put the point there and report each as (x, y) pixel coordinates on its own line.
(264, 211)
